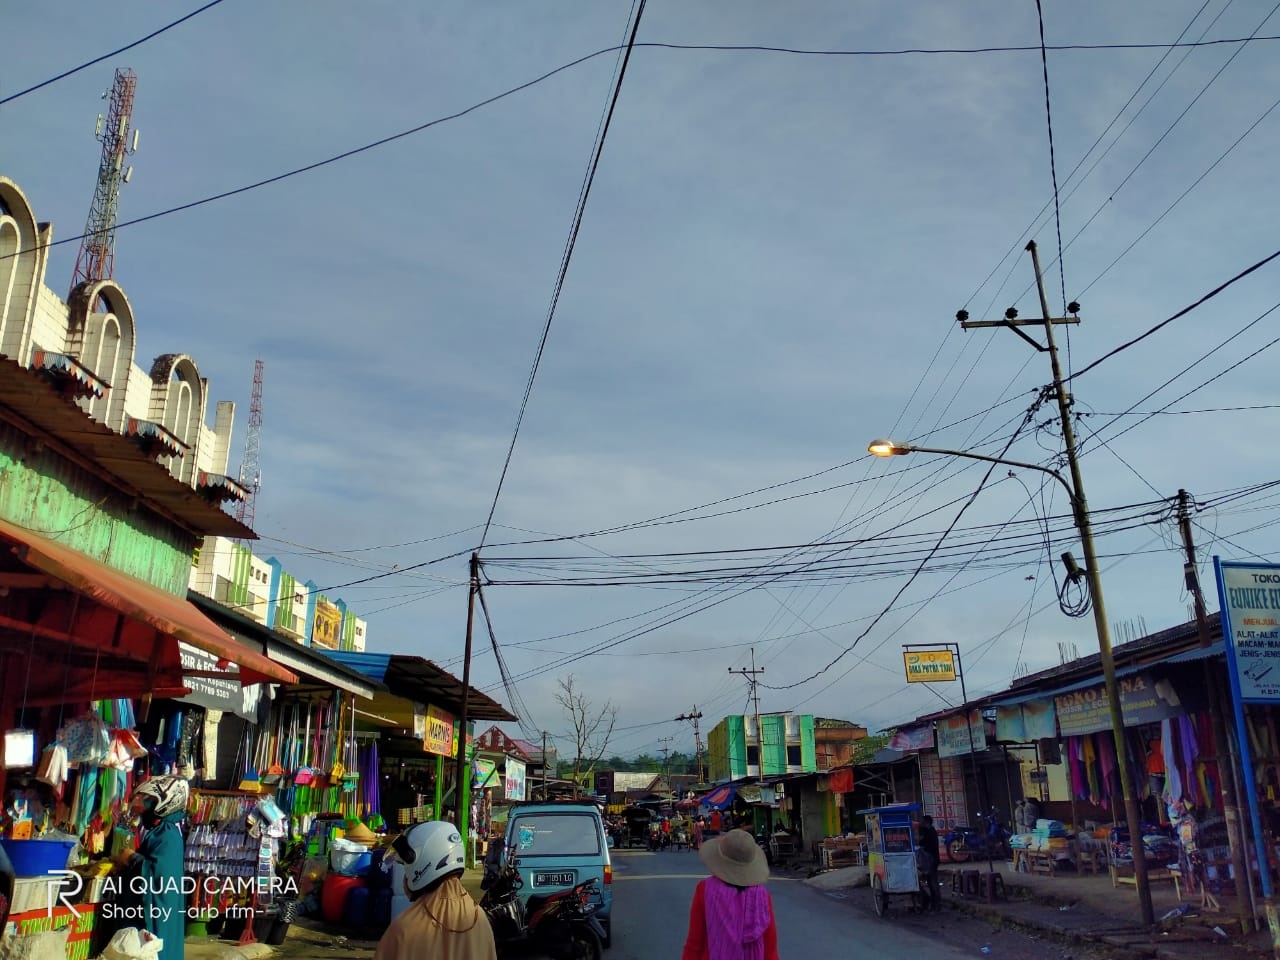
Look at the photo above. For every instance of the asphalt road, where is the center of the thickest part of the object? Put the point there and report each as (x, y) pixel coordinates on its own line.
(652, 893)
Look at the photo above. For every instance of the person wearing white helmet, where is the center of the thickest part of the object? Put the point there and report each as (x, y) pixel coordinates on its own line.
(443, 922)
(160, 804)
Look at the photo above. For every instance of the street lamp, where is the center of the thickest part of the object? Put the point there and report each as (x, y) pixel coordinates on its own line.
(1080, 511)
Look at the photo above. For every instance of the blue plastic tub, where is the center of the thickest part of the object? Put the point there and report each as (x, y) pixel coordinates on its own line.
(36, 858)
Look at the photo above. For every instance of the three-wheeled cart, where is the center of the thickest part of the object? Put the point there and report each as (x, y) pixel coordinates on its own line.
(637, 821)
(891, 855)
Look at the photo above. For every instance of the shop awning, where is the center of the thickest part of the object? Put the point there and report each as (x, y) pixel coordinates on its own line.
(721, 798)
(417, 679)
(143, 604)
(1215, 649)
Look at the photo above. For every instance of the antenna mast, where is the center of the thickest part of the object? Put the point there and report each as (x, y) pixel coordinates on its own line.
(250, 469)
(96, 260)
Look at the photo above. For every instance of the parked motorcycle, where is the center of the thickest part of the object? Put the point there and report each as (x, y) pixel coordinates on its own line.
(562, 925)
(989, 843)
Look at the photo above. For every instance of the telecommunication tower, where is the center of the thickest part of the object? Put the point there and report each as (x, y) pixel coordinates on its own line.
(250, 470)
(96, 260)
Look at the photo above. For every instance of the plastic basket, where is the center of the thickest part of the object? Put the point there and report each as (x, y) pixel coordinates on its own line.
(37, 858)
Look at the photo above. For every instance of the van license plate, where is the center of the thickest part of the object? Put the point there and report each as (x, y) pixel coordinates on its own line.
(552, 879)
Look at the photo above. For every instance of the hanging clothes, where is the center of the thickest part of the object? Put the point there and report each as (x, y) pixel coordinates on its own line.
(1173, 775)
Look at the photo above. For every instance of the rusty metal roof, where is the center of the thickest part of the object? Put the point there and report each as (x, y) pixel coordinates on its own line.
(33, 405)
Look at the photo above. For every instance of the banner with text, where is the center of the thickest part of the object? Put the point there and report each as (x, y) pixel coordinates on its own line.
(1250, 597)
(954, 734)
(217, 693)
(1143, 699)
(1025, 722)
(513, 784)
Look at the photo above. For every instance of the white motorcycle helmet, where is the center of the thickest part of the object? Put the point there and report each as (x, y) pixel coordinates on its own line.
(430, 852)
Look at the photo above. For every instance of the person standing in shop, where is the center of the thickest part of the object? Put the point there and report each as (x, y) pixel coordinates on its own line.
(931, 855)
(161, 804)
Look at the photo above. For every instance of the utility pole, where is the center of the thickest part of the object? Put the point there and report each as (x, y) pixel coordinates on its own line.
(544, 766)
(1217, 712)
(666, 752)
(462, 772)
(695, 716)
(1080, 509)
(755, 696)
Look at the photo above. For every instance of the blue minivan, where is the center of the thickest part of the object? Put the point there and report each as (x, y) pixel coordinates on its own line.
(559, 844)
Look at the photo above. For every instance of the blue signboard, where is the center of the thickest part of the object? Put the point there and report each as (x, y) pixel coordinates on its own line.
(1249, 594)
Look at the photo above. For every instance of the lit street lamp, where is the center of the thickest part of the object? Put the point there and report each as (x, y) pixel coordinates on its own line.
(1080, 511)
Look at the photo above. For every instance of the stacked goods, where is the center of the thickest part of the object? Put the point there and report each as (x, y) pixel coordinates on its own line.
(1051, 836)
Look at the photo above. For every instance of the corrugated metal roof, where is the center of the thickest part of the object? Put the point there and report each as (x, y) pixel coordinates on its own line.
(34, 406)
(414, 678)
(1186, 656)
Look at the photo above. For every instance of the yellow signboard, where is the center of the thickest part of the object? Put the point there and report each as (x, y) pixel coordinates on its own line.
(929, 666)
(440, 733)
(327, 626)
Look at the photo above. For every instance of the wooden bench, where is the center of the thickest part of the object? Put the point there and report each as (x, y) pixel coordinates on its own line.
(1121, 874)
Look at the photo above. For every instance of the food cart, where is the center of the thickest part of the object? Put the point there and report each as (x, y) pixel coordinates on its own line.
(891, 855)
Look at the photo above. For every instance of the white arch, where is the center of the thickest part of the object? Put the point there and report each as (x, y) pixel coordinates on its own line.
(104, 341)
(19, 271)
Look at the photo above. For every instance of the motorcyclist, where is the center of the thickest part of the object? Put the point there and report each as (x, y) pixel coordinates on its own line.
(443, 922)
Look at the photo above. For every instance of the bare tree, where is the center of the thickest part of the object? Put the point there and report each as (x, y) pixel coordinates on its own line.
(592, 728)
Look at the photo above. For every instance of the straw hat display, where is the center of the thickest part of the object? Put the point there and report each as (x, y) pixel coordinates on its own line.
(359, 833)
(736, 859)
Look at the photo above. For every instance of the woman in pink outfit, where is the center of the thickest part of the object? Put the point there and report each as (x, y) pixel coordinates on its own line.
(732, 915)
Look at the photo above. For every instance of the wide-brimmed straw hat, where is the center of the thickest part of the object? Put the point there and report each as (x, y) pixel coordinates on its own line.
(736, 859)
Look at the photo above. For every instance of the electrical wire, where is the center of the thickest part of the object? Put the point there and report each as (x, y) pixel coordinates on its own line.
(565, 259)
(1181, 313)
(1017, 245)
(108, 56)
(1053, 166)
(347, 154)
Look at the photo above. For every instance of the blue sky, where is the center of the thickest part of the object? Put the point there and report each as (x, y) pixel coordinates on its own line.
(766, 279)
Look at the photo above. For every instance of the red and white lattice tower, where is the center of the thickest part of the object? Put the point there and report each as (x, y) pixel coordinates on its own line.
(250, 468)
(96, 260)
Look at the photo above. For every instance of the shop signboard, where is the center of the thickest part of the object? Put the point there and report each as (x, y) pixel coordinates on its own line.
(954, 734)
(1025, 722)
(929, 666)
(1249, 595)
(513, 785)
(439, 739)
(326, 628)
(913, 738)
(1143, 699)
(215, 692)
(1251, 627)
(484, 774)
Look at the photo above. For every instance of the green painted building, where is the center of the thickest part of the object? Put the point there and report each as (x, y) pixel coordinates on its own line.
(734, 749)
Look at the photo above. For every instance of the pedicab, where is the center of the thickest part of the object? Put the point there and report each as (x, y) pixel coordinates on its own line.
(891, 855)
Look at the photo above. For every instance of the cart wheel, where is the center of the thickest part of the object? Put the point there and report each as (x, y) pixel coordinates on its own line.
(879, 899)
(956, 851)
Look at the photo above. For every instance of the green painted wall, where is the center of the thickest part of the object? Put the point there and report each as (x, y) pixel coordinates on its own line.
(808, 747)
(42, 491)
(348, 631)
(241, 568)
(284, 605)
(774, 754)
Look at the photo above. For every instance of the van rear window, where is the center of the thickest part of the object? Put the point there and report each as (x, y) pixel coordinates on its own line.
(555, 835)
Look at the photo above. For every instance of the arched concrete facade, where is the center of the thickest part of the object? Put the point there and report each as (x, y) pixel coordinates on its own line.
(104, 340)
(178, 402)
(21, 270)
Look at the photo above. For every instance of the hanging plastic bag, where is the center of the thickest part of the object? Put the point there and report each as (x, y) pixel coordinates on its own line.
(86, 739)
(53, 767)
(19, 748)
(133, 944)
